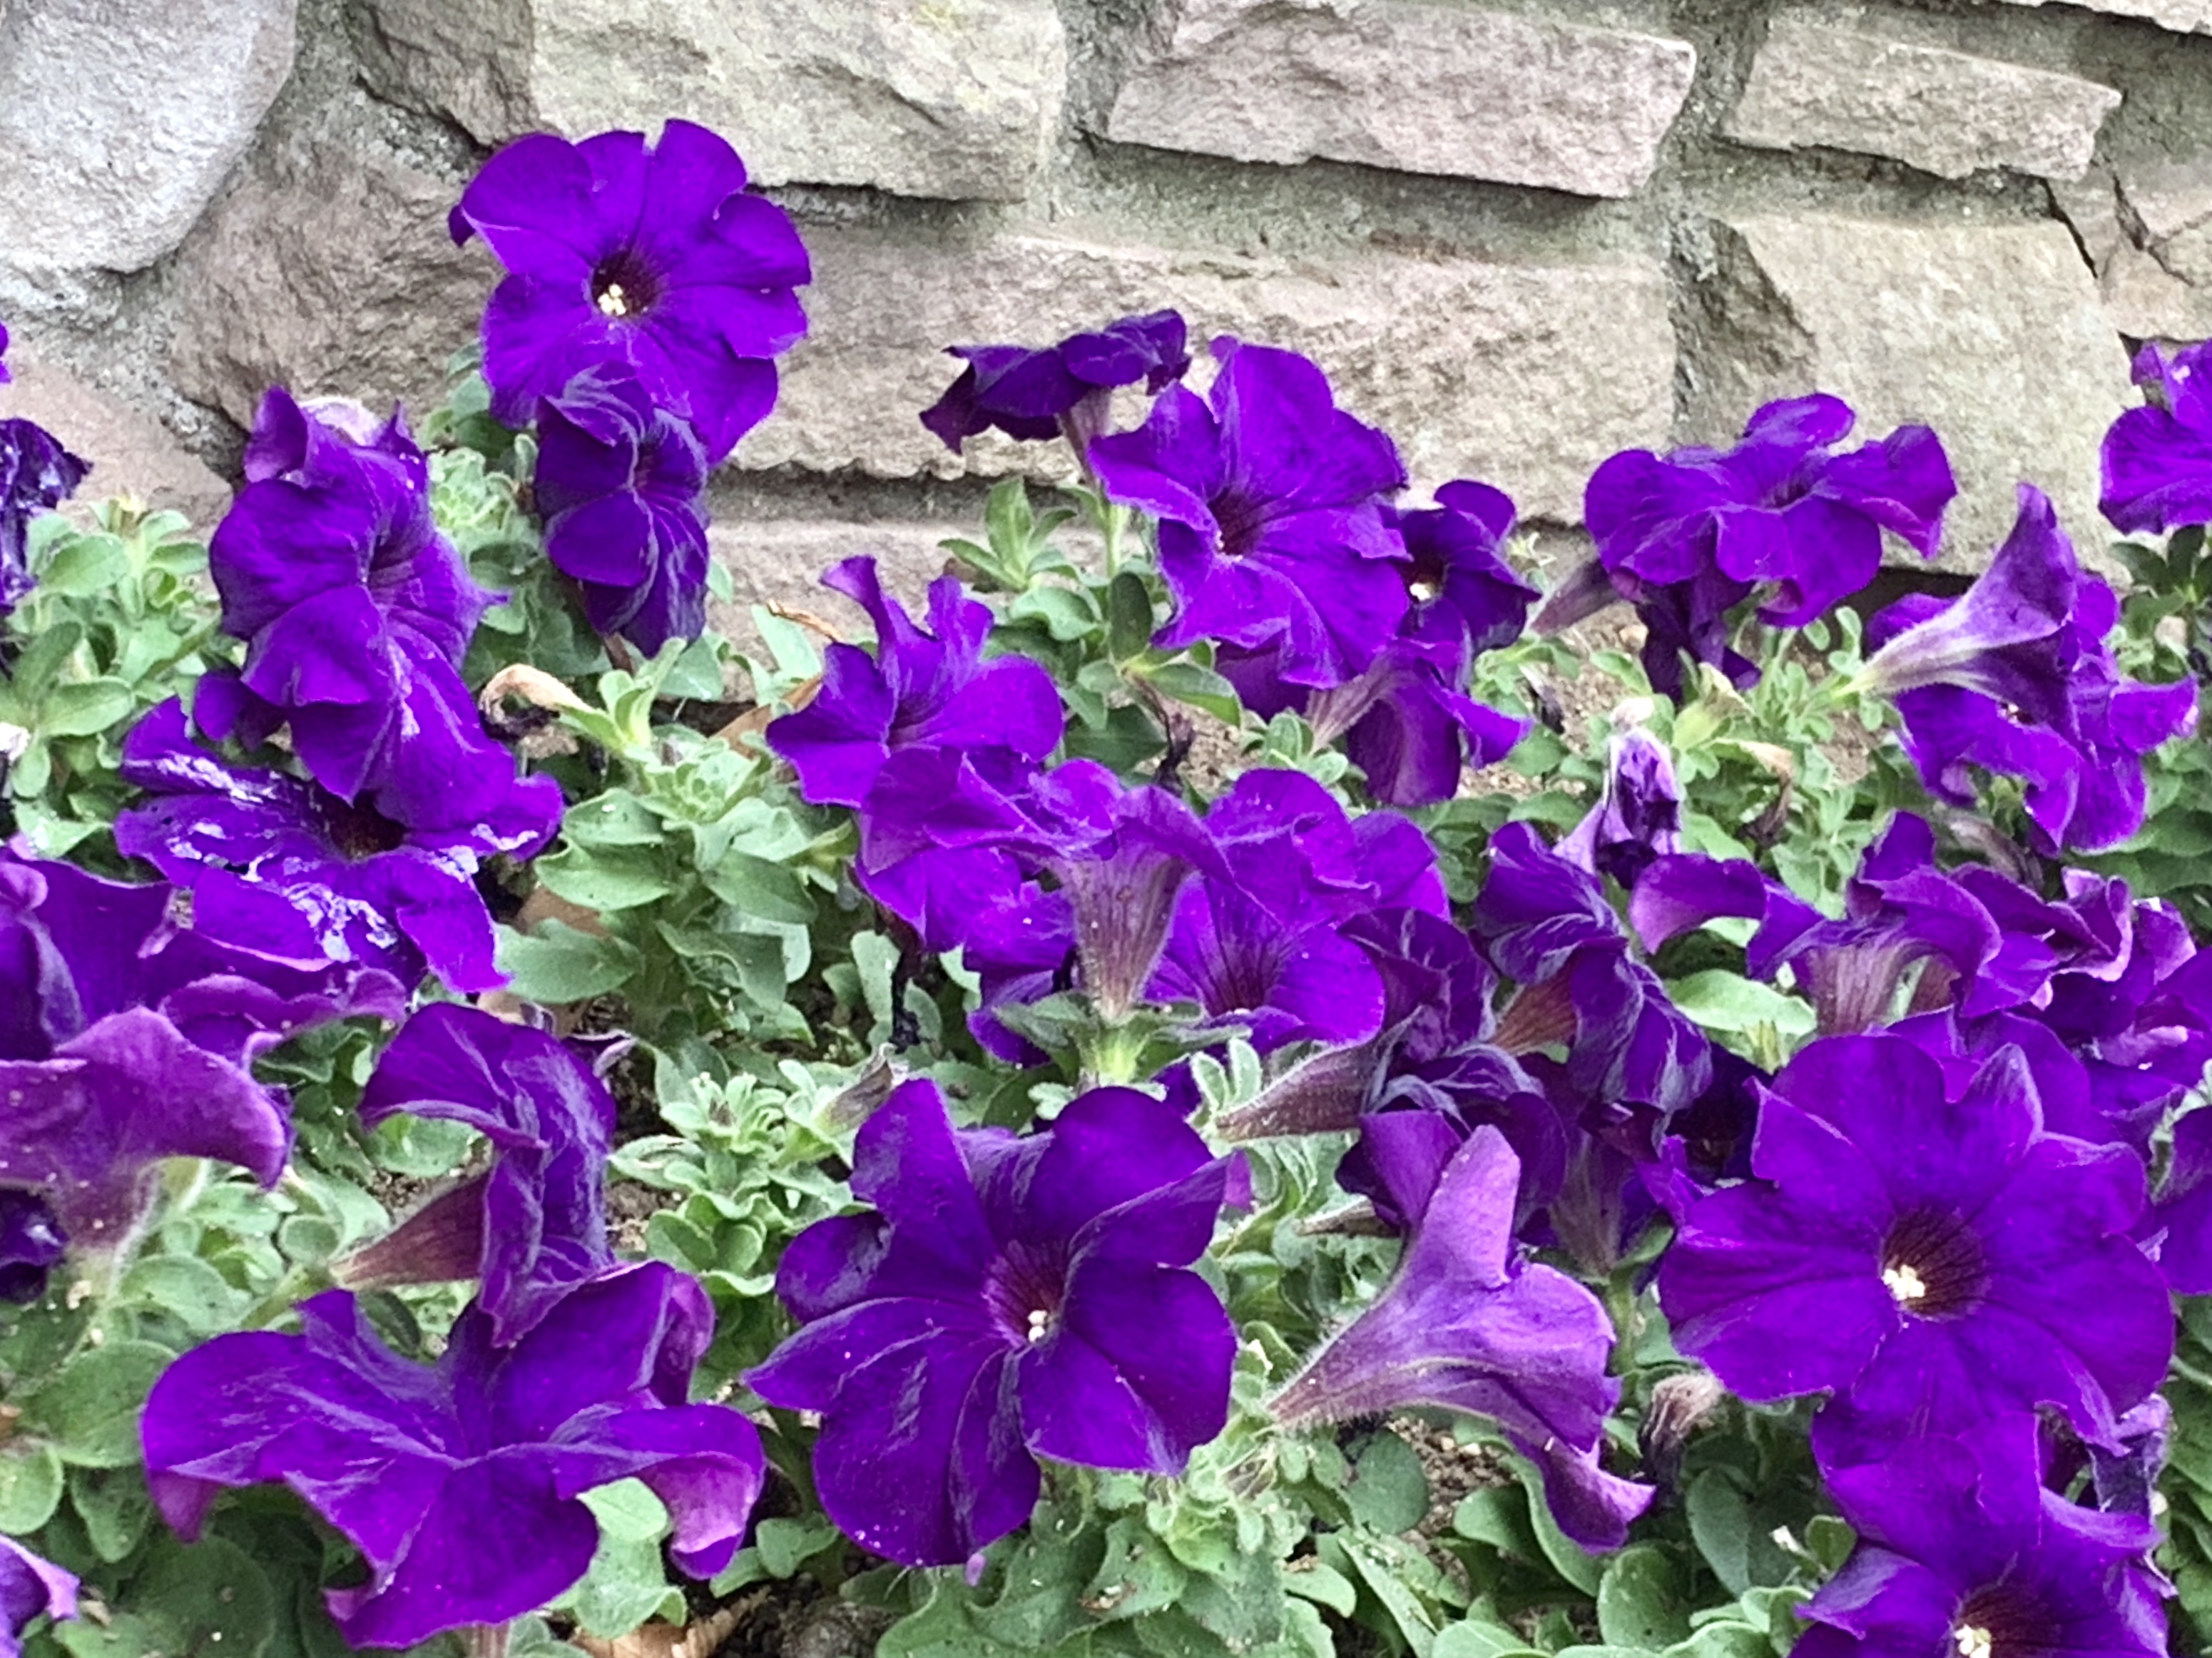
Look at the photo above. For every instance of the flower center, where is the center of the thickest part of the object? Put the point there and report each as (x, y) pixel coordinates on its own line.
(1933, 1265)
(1424, 579)
(1023, 1290)
(357, 833)
(622, 287)
(1241, 519)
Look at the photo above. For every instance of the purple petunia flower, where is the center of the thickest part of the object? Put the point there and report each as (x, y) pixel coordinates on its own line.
(459, 1481)
(36, 475)
(1464, 1325)
(1686, 536)
(29, 1587)
(1961, 1552)
(621, 485)
(1272, 510)
(1638, 817)
(74, 1127)
(921, 689)
(355, 612)
(2158, 459)
(654, 259)
(536, 1223)
(289, 869)
(1899, 911)
(2014, 676)
(31, 1245)
(1405, 719)
(1008, 1298)
(1936, 1258)
(1060, 390)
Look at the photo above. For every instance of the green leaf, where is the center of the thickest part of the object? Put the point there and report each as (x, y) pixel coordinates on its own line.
(756, 888)
(1185, 680)
(84, 565)
(212, 1597)
(1472, 1640)
(606, 880)
(1638, 1601)
(91, 1410)
(30, 1485)
(1721, 1000)
(1067, 613)
(560, 964)
(1314, 1579)
(187, 1289)
(785, 1546)
(85, 707)
(115, 1506)
(627, 1584)
(1128, 616)
(1387, 1491)
(1735, 1538)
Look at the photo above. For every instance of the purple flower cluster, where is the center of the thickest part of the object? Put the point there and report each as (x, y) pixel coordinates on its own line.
(1061, 390)
(2014, 678)
(2158, 459)
(568, 1371)
(355, 612)
(647, 298)
(1687, 537)
(107, 1000)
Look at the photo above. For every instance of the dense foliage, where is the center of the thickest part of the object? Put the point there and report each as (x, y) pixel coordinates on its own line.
(1223, 1088)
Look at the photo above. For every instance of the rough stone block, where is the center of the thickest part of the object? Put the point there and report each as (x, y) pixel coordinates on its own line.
(118, 120)
(1814, 84)
(343, 282)
(1418, 87)
(1526, 376)
(130, 452)
(780, 561)
(2182, 16)
(954, 99)
(1994, 334)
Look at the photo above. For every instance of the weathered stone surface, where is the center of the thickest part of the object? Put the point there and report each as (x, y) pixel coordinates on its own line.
(118, 119)
(780, 561)
(2182, 16)
(1992, 334)
(1815, 84)
(1524, 375)
(2147, 230)
(130, 452)
(954, 99)
(1419, 88)
(344, 281)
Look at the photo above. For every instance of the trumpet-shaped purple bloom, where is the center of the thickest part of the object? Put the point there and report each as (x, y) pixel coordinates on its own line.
(2013, 677)
(1961, 1551)
(1264, 946)
(290, 869)
(621, 485)
(653, 259)
(36, 475)
(459, 1481)
(2158, 459)
(75, 1127)
(1638, 817)
(1008, 1298)
(1936, 1259)
(1405, 719)
(536, 1223)
(29, 1587)
(31, 1245)
(922, 688)
(355, 612)
(1272, 510)
(1688, 536)
(1061, 390)
(1545, 923)
(1466, 1325)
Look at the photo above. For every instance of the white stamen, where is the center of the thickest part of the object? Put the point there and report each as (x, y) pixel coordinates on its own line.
(1906, 1284)
(1040, 1321)
(1973, 1640)
(613, 301)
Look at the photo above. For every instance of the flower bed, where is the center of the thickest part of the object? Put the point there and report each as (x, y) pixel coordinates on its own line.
(523, 1122)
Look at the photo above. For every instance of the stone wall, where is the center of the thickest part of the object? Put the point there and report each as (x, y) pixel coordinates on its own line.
(1520, 234)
